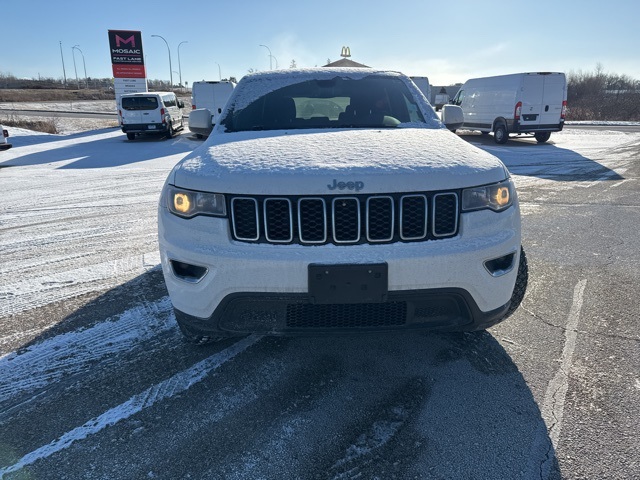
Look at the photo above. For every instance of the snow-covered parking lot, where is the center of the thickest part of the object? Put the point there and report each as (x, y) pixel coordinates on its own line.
(96, 382)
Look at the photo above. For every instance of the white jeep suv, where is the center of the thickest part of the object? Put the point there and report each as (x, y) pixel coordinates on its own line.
(335, 200)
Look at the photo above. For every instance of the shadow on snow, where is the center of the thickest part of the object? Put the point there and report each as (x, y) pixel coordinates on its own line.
(110, 150)
(524, 156)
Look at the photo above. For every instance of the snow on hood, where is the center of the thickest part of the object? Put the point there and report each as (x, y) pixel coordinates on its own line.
(306, 162)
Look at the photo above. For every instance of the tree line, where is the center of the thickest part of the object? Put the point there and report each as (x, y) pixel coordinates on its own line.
(602, 96)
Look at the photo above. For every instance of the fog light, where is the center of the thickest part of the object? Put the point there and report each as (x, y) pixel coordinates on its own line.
(501, 265)
(187, 272)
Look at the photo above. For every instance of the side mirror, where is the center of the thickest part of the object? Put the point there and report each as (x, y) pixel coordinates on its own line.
(452, 117)
(180, 104)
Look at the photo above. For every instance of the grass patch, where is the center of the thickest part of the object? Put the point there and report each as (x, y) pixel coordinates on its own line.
(53, 95)
(46, 126)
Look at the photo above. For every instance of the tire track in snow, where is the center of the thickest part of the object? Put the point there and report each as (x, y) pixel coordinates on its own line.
(72, 353)
(360, 456)
(38, 292)
(174, 385)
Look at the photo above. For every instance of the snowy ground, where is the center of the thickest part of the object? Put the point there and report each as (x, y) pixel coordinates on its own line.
(78, 222)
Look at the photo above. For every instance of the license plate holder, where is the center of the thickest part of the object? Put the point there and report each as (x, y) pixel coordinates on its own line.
(349, 283)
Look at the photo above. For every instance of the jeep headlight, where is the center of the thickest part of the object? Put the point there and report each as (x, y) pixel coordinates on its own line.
(189, 203)
(496, 197)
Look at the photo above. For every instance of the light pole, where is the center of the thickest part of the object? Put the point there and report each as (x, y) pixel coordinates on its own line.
(169, 51)
(84, 66)
(74, 67)
(179, 67)
(270, 56)
(219, 71)
(276, 61)
(64, 72)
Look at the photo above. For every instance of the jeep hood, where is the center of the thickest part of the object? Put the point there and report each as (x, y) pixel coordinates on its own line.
(307, 162)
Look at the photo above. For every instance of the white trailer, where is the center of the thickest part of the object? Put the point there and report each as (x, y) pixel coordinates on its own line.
(423, 85)
(521, 103)
(207, 102)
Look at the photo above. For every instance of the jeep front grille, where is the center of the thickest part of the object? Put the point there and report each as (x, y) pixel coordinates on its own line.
(345, 220)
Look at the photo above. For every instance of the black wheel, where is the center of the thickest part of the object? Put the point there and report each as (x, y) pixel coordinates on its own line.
(500, 134)
(542, 137)
(521, 284)
(170, 131)
(131, 136)
(194, 335)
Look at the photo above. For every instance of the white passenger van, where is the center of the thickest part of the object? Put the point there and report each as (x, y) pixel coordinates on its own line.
(207, 101)
(521, 103)
(150, 113)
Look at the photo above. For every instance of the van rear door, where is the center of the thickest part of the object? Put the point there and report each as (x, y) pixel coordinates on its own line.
(140, 110)
(531, 99)
(554, 94)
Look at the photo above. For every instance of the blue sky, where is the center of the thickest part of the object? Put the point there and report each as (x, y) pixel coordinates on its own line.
(418, 37)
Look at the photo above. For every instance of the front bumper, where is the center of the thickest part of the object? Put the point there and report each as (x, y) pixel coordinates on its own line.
(440, 284)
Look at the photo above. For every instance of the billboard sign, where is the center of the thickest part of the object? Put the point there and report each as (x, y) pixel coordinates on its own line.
(127, 62)
(127, 57)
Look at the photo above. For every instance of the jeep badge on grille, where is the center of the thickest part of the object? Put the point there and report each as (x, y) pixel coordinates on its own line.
(357, 186)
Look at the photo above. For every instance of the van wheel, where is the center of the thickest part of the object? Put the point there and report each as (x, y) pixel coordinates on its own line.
(170, 131)
(500, 134)
(542, 137)
(131, 136)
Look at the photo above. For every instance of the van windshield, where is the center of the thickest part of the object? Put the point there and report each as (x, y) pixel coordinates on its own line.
(139, 103)
(377, 102)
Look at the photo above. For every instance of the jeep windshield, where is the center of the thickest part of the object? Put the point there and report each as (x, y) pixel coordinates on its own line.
(139, 103)
(369, 102)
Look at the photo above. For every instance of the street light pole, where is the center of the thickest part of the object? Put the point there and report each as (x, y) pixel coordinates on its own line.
(219, 71)
(74, 67)
(169, 51)
(270, 56)
(179, 66)
(64, 72)
(84, 66)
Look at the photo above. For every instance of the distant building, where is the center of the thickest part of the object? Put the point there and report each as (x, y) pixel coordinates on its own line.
(345, 61)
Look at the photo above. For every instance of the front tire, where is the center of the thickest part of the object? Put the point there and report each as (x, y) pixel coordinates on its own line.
(520, 287)
(131, 136)
(500, 134)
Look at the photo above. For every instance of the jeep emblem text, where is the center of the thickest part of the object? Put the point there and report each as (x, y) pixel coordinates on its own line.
(357, 186)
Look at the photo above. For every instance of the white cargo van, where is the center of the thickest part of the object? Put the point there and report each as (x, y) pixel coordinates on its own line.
(521, 103)
(150, 113)
(207, 101)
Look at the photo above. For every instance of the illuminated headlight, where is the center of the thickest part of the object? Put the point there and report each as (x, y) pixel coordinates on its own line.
(496, 197)
(188, 203)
